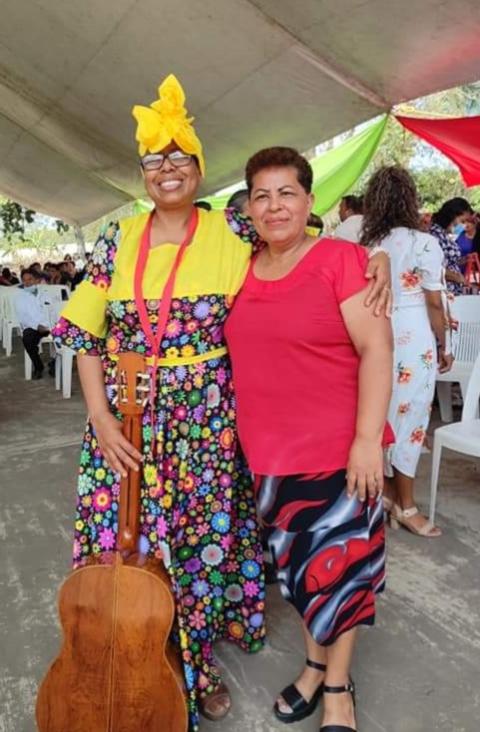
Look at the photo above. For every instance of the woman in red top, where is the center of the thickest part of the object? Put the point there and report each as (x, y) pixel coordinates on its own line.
(312, 370)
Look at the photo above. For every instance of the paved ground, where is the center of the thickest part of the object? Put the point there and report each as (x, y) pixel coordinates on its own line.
(417, 671)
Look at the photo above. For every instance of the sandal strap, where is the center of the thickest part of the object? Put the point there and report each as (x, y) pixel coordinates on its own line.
(293, 698)
(339, 689)
(408, 512)
(336, 728)
(426, 529)
(316, 665)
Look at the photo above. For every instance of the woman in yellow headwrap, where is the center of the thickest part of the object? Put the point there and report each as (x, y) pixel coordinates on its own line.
(197, 509)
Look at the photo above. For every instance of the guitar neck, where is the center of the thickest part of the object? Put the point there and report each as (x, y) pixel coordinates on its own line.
(129, 508)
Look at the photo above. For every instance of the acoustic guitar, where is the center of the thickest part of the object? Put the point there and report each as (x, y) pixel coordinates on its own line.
(117, 670)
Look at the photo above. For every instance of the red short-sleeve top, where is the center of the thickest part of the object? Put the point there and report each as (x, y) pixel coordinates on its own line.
(295, 367)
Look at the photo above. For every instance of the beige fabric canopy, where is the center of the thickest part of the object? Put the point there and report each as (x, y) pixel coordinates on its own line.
(256, 73)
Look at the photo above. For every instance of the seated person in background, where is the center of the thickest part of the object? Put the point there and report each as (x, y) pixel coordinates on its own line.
(351, 217)
(444, 221)
(468, 240)
(239, 201)
(55, 274)
(10, 276)
(465, 234)
(64, 275)
(425, 221)
(31, 318)
(315, 222)
(6, 278)
(74, 276)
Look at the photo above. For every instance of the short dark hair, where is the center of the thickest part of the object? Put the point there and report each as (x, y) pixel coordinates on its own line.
(315, 221)
(450, 210)
(203, 204)
(354, 203)
(280, 157)
(33, 272)
(238, 199)
(6, 272)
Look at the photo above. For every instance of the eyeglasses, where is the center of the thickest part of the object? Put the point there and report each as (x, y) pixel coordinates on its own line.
(177, 158)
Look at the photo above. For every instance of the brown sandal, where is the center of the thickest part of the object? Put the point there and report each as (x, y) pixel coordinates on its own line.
(216, 706)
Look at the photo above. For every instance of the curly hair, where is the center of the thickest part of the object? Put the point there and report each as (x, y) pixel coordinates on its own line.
(279, 157)
(390, 200)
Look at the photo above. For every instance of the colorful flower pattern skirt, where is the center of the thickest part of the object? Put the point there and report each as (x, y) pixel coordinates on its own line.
(328, 549)
(197, 511)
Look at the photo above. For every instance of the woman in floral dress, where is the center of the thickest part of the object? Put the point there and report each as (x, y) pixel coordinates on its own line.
(418, 319)
(198, 512)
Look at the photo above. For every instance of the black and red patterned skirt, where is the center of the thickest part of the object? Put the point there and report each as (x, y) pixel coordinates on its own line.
(328, 550)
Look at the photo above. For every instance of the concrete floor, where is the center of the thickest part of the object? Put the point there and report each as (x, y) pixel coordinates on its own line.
(417, 671)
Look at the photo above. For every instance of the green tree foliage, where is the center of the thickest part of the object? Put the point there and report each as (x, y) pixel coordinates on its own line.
(436, 177)
(18, 221)
(436, 185)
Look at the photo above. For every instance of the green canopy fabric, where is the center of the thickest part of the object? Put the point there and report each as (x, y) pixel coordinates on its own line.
(337, 170)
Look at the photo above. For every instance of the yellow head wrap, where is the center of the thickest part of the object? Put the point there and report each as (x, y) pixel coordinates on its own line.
(166, 121)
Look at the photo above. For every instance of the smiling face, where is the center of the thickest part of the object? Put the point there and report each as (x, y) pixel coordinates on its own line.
(172, 187)
(279, 205)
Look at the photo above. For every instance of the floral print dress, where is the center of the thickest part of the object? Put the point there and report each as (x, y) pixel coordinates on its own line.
(417, 265)
(197, 502)
(452, 256)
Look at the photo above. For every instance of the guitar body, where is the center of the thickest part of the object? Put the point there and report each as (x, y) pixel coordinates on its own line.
(116, 671)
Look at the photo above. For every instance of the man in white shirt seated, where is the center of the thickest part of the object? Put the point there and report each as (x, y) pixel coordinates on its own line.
(351, 216)
(31, 317)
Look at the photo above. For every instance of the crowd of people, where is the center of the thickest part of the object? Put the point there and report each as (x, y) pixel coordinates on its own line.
(455, 224)
(51, 273)
(30, 301)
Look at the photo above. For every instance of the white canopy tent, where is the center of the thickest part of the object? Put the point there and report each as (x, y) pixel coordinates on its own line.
(256, 73)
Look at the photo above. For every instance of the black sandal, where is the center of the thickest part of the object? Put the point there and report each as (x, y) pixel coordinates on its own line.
(350, 687)
(301, 709)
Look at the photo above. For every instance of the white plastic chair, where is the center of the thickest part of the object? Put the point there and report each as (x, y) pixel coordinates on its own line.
(47, 341)
(463, 436)
(10, 320)
(466, 309)
(55, 293)
(3, 295)
(67, 355)
(63, 355)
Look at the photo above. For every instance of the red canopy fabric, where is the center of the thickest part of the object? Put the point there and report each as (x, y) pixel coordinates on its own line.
(458, 139)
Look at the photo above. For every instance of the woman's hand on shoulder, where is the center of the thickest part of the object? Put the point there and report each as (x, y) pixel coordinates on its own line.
(379, 292)
(365, 469)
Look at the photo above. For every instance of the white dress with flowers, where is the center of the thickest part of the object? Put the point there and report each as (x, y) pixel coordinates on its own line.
(417, 265)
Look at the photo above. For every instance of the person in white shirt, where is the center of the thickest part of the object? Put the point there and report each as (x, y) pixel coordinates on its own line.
(31, 318)
(351, 217)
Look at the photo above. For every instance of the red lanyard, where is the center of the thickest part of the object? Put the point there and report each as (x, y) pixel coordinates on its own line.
(155, 339)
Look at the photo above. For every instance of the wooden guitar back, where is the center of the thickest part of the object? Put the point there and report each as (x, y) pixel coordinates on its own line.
(116, 671)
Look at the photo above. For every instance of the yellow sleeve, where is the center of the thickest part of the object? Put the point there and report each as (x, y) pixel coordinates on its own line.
(87, 308)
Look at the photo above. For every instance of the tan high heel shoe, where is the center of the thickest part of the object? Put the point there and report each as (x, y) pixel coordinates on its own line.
(388, 507)
(403, 518)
